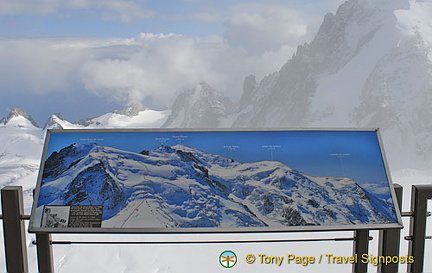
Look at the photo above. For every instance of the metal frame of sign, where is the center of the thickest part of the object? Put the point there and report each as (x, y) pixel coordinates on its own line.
(213, 181)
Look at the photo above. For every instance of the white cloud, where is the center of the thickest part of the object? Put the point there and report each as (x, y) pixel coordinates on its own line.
(160, 67)
(258, 40)
(37, 65)
(148, 67)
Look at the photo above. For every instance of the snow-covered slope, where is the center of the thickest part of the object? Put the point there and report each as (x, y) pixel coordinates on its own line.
(20, 152)
(21, 140)
(18, 118)
(56, 121)
(135, 116)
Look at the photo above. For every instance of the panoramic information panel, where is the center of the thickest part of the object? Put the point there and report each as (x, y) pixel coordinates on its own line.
(212, 181)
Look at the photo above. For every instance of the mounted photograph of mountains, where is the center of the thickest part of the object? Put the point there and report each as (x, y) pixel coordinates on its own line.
(180, 186)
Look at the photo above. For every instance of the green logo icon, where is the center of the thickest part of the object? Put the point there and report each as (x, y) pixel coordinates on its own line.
(228, 259)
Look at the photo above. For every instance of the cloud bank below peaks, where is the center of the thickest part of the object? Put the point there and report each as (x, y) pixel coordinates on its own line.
(148, 67)
(154, 68)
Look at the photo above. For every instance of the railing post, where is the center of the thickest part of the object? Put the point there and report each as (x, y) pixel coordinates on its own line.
(361, 246)
(44, 253)
(419, 196)
(14, 229)
(389, 239)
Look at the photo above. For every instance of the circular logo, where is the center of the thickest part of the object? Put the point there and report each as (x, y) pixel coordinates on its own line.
(228, 259)
(250, 258)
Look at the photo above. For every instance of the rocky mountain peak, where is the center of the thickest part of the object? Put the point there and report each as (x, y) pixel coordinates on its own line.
(200, 107)
(131, 111)
(249, 85)
(17, 113)
(54, 121)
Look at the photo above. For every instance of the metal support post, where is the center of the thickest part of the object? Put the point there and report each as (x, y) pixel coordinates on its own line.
(389, 240)
(14, 229)
(419, 196)
(361, 246)
(44, 253)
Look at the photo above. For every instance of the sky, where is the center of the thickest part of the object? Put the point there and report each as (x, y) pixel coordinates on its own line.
(85, 58)
(353, 154)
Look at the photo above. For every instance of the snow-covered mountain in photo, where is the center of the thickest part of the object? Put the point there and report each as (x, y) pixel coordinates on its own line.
(183, 187)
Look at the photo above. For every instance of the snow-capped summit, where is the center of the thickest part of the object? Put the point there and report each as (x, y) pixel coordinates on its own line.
(21, 142)
(56, 121)
(200, 107)
(136, 116)
(19, 118)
